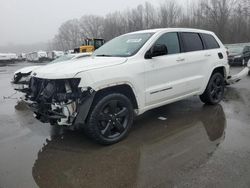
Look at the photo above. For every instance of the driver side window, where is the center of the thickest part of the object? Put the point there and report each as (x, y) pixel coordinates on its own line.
(171, 41)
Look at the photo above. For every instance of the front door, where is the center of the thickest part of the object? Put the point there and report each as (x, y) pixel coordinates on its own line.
(175, 75)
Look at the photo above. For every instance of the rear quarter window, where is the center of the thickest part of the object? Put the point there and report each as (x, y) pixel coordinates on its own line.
(191, 42)
(210, 41)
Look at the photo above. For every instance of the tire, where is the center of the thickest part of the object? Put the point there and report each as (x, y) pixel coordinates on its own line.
(110, 119)
(214, 92)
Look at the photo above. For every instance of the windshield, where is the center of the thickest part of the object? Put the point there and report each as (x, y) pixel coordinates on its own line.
(123, 46)
(235, 50)
(63, 58)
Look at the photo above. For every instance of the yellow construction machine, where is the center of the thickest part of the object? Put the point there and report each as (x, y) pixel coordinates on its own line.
(89, 45)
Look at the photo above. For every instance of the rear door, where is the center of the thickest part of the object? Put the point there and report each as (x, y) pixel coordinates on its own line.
(214, 53)
(196, 60)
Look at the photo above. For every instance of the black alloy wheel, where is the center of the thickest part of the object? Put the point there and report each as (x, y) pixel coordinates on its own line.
(110, 119)
(214, 92)
(113, 119)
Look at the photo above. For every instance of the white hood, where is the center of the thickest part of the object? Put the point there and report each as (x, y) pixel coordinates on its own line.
(26, 70)
(69, 69)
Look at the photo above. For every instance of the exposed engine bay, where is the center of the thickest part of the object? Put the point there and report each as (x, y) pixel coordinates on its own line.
(58, 102)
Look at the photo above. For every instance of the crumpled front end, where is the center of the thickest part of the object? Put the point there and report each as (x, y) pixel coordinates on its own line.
(21, 82)
(59, 102)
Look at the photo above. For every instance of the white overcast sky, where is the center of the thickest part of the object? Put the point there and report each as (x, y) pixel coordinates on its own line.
(31, 21)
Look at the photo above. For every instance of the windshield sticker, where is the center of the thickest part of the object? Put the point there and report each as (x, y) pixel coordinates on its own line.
(134, 40)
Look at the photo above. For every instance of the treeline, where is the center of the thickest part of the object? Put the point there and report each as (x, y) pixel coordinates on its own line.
(229, 19)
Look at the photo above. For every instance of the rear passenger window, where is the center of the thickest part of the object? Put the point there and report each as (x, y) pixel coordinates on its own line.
(210, 41)
(171, 41)
(192, 42)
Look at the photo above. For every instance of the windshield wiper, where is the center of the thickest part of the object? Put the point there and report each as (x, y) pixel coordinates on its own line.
(103, 55)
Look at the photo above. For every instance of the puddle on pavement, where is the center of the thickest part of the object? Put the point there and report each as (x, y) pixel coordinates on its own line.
(232, 94)
(156, 153)
(189, 139)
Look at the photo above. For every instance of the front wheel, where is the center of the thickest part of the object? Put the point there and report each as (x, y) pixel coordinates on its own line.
(110, 119)
(214, 92)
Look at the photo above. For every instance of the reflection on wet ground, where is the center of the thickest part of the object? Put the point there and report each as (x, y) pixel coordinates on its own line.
(147, 157)
(193, 146)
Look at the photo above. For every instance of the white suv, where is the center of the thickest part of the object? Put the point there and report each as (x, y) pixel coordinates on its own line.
(128, 76)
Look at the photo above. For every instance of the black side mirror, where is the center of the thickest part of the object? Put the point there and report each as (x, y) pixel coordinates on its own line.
(148, 54)
(157, 50)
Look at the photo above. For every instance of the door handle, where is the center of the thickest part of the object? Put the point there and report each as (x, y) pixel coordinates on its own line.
(207, 55)
(180, 59)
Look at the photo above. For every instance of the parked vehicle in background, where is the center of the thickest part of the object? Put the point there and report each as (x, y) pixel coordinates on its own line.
(69, 52)
(55, 54)
(128, 76)
(22, 57)
(21, 77)
(8, 57)
(38, 56)
(248, 66)
(238, 55)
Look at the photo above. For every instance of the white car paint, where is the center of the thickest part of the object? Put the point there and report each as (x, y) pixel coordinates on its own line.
(236, 78)
(26, 70)
(30, 69)
(72, 67)
(185, 74)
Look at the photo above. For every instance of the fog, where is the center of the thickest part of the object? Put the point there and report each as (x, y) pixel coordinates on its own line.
(32, 21)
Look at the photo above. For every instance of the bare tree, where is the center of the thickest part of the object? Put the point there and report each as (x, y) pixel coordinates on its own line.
(169, 12)
(91, 26)
(149, 16)
(69, 35)
(114, 25)
(218, 15)
(229, 19)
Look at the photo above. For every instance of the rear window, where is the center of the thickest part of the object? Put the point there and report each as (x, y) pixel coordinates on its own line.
(192, 42)
(210, 41)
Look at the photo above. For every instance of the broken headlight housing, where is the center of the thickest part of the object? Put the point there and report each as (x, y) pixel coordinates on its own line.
(55, 101)
(48, 91)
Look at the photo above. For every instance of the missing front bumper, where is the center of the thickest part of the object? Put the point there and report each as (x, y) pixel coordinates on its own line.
(71, 115)
(237, 77)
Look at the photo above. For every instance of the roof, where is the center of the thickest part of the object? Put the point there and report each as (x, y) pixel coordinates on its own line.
(173, 30)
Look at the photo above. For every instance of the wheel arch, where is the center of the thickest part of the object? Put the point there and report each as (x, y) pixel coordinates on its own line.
(220, 69)
(124, 89)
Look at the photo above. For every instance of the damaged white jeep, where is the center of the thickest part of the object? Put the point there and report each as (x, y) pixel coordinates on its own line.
(128, 76)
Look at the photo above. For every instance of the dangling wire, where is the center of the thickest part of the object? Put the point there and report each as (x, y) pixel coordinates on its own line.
(10, 97)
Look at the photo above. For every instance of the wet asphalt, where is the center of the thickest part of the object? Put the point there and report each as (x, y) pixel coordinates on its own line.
(185, 144)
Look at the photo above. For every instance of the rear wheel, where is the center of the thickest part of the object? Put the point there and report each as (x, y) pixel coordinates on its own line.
(214, 92)
(110, 119)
